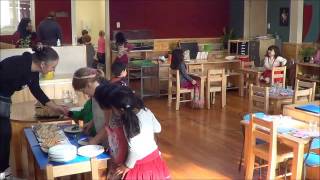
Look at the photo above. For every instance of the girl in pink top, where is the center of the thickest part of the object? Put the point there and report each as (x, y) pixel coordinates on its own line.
(101, 48)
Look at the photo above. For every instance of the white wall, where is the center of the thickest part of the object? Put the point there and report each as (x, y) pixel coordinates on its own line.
(90, 15)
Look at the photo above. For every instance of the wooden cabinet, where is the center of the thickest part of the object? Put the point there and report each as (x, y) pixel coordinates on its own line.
(309, 72)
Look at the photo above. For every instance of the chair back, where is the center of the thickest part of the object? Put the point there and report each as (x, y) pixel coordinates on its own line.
(266, 131)
(247, 64)
(195, 68)
(302, 96)
(258, 99)
(174, 79)
(216, 78)
(300, 85)
(278, 76)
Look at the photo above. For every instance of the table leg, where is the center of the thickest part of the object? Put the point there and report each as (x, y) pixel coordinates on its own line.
(245, 146)
(202, 89)
(241, 84)
(297, 162)
(94, 168)
(31, 166)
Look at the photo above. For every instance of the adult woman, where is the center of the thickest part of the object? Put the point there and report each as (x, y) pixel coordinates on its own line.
(16, 72)
(24, 37)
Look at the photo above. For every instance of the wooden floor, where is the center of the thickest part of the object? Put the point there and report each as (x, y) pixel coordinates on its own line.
(201, 143)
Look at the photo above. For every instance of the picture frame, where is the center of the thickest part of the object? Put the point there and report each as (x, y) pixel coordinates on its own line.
(284, 16)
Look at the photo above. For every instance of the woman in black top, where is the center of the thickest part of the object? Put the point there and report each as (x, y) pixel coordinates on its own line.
(15, 73)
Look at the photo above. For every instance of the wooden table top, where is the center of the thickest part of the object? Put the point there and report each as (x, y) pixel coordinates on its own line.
(292, 107)
(25, 112)
(254, 69)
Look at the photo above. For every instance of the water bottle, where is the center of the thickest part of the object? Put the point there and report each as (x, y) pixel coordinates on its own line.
(58, 42)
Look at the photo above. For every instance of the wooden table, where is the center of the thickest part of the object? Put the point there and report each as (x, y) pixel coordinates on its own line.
(256, 72)
(297, 144)
(290, 110)
(41, 168)
(278, 101)
(22, 116)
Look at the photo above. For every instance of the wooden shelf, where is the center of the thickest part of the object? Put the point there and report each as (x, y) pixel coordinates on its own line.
(309, 64)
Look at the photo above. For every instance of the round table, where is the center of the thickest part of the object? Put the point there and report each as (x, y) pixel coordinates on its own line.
(22, 116)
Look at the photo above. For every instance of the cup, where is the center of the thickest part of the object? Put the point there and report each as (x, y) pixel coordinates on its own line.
(313, 128)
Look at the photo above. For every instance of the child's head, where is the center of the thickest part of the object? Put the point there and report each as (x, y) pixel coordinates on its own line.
(273, 51)
(86, 39)
(120, 39)
(84, 32)
(86, 80)
(101, 33)
(118, 69)
(177, 58)
(123, 102)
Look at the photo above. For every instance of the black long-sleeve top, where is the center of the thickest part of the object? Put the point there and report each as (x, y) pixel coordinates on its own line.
(49, 31)
(15, 72)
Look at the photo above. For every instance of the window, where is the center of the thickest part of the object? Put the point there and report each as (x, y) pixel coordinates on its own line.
(11, 13)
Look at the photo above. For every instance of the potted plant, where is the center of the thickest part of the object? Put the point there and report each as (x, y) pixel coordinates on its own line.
(227, 35)
(307, 53)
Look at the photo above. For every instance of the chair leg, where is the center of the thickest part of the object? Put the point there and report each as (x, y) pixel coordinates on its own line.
(213, 97)
(286, 169)
(177, 101)
(169, 99)
(208, 99)
(241, 156)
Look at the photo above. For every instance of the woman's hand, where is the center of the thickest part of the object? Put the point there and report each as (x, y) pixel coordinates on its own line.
(122, 170)
(193, 82)
(58, 108)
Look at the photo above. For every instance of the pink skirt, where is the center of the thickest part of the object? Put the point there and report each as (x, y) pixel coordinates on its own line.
(152, 167)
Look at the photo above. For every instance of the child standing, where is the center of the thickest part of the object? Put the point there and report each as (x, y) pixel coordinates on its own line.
(119, 71)
(90, 51)
(87, 80)
(101, 48)
(123, 48)
(144, 160)
(177, 62)
(272, 59)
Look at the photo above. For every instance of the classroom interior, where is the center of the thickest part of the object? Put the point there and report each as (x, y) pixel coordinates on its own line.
(227, 41)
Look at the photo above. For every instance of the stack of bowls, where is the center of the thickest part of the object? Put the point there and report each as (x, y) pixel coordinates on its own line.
(62, 153)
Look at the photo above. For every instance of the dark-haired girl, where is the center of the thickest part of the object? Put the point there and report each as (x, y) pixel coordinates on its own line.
(24, 37)
(143, 160)
(272, 59)
(15, 73)
(123, 48)
(177, 62)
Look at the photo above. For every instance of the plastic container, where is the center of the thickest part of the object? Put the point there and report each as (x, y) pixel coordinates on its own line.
(48, 76)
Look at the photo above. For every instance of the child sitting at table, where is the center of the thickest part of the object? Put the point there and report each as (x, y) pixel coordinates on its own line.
(119, 71)
(144, 159)
(177, 62)
(123, 48)
(272, 59)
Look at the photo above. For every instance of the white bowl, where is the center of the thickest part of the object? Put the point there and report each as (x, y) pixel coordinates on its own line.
(230, 57)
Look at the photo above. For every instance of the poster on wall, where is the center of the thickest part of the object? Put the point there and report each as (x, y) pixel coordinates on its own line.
(284, 16)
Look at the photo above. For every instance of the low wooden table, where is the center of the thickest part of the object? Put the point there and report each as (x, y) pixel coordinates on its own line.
(38, 161)
(278, 101)
(298, 145)
(256, 72)
(290, 110)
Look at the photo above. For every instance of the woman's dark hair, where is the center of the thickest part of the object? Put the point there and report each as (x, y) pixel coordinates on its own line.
(117, 68)
(84, 32)
(44, 53)
(177, 58)
(85, 75)
(276, 51)
(120, 39)
(22, 27)
(123, 99)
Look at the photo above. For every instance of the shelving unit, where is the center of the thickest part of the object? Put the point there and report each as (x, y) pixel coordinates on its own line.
(309, 72)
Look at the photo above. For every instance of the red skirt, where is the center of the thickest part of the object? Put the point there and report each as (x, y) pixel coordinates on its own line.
(152, 167)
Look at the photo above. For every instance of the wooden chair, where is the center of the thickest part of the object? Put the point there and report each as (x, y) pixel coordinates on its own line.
(270, 151)
(174, 87)
(195, 68)
(216, 82)
(306, 85)
(258, 99)
(247, 78)
(278, 76)
(302, 96)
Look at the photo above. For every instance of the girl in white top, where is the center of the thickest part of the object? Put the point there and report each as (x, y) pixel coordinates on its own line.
(143, 159)
(272, 59)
